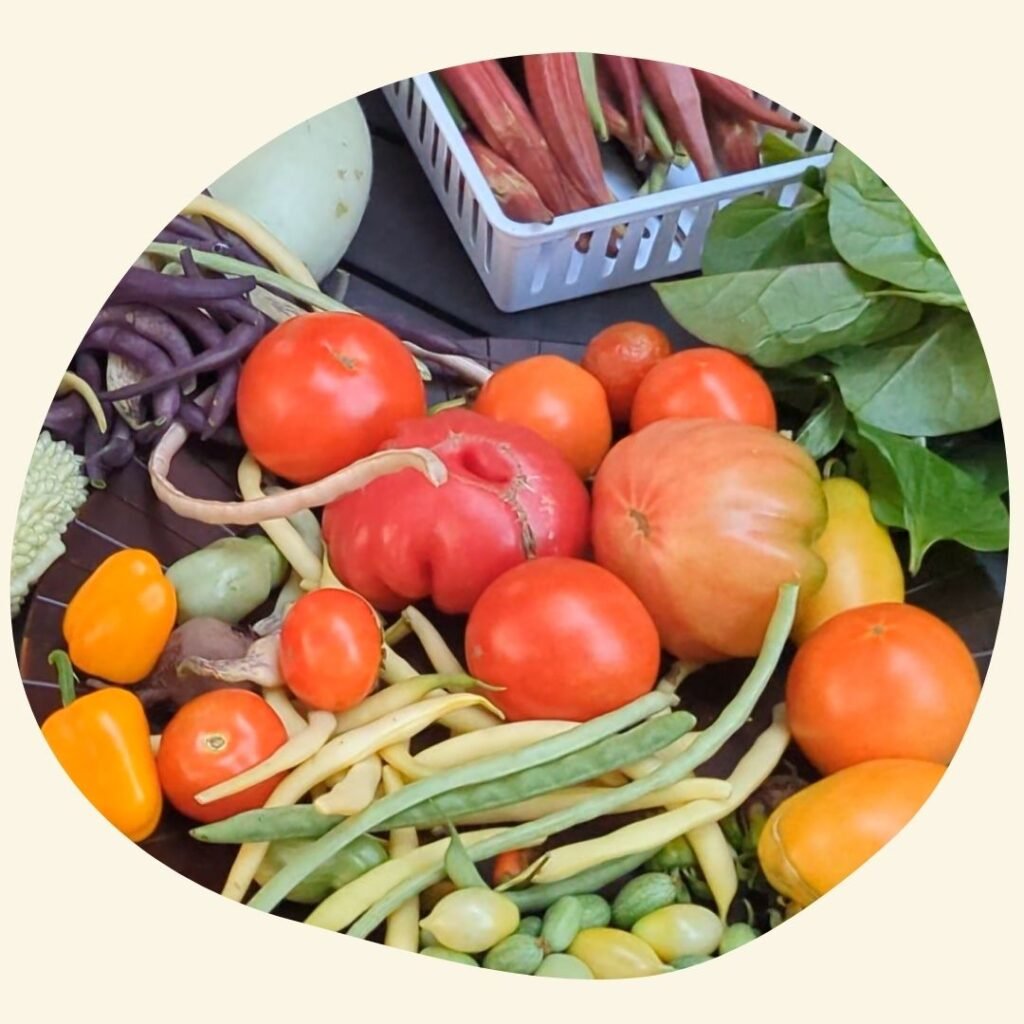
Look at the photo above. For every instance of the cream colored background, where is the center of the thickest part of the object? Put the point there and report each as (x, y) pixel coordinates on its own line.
(115, 115)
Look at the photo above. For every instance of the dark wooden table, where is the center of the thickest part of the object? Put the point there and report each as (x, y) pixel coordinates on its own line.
(406, 259)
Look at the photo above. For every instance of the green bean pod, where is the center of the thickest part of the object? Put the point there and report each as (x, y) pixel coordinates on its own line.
(710, 741)
(228, 579)
(590, 763)
(344, 867)
(603, 756)
(382, 810)
(541, 896)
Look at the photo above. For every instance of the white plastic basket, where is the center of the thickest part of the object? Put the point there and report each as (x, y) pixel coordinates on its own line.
(528, 265)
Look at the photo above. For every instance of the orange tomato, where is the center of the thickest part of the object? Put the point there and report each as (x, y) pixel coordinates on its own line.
(704, 383)
(819, 836)
(214, 737)
(558, 400)
(620, 357)
(881, 681)
(330, 649)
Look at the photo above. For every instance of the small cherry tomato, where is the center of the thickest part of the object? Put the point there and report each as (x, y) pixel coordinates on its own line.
(558, 400)
(331, 649)
(881, 681)
(323, 390)
(620, 357)
(703, 383)
(212, 738)
(564, 638)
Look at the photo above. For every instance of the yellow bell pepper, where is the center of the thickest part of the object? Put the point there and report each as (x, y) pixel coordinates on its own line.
(119, 620)
(863, 567)
(102, 741)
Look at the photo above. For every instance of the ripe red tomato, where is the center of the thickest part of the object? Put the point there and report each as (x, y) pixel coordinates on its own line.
(558, 400)
(620, 357)
(331, 648)
(322, 390)
(212, 738)
(881, 681)
(704, 383)
(564, 638)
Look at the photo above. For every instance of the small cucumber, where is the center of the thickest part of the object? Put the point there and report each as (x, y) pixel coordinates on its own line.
(440, 953)
(596, 910)
(562, 965)
(518, 954)
(530, 926)
(737, 935)
(641, 896)
(562, 922)
(689, 961)
(676, 854)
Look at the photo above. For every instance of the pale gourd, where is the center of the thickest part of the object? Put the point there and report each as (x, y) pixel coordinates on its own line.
(309, 186)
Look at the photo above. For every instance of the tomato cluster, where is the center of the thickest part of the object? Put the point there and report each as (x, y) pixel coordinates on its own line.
(694, 519)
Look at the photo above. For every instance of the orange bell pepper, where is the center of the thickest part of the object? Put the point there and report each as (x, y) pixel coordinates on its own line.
(119, 620)
(102, 741)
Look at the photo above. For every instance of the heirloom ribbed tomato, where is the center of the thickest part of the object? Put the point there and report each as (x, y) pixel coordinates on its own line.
(509, 496)
(705, 520)
(564, 639)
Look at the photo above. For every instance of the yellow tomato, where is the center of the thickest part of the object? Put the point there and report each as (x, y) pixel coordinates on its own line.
(611, 953)
(863, 567)
(822, 834)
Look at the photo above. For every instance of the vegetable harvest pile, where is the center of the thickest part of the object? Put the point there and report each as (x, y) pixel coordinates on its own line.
(433, 692)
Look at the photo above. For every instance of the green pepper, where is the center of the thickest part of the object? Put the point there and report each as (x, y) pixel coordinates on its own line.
(346, 865)
(227, 580)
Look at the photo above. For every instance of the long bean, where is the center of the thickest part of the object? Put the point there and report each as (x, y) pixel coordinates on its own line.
(732, 717)
(278, 887)
(580, 766)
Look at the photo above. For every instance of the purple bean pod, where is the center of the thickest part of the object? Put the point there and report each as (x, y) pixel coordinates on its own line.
(223, 401)
(129, 344)
(240, 248)
(65, 418)
(152, 287)
(119, 449)
(245, 311)
(152, 324)
(191, 228)
(200, 244)
(233, 349)
(194, 419)
(87, 366)
(203, 328)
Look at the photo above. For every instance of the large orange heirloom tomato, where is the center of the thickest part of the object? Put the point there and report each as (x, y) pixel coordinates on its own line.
(819, 836)
(705, 520)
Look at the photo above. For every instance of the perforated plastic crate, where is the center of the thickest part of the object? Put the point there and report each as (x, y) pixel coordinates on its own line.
(528, 265)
